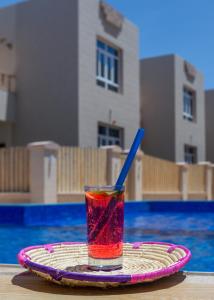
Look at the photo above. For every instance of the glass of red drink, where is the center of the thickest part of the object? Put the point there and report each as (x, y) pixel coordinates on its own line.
(105, 222)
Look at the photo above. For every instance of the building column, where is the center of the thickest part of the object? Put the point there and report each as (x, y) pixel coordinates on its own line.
(43, 172)
(113, 163)
(184, 178)
(208, 179)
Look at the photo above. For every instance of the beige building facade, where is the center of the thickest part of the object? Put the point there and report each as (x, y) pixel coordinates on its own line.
(172, 109)
(75, 65)
(209, 107)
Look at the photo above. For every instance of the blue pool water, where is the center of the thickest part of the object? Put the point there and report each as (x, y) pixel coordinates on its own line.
(189, 224)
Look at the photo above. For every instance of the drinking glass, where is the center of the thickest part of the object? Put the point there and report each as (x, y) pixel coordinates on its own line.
(105, 223)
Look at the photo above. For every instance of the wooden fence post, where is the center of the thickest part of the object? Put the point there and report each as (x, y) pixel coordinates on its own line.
(212, 181)
(43, 172)
(135, 180)
(113, 163)
(208, 179)
(184, 180)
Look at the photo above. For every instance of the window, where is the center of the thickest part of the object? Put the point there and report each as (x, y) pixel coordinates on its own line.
(190, 154)
(107, 66)
(108, 135)
(188, 104)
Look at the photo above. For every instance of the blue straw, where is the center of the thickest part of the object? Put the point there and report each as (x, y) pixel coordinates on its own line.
(124, 172)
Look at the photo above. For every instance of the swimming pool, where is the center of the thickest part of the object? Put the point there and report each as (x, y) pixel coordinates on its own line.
(187, 223)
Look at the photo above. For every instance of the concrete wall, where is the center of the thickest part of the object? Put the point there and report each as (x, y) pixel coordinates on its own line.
(209, 109)
(57, 95)
(162, 82)
(7, 38)
(6, 133)
(157, 106)
(7, 67)
(96, 103)
(47, 55)
(187, 132)
(7, 106)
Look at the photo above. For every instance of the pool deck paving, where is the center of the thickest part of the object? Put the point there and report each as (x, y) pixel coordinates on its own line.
(16, 284)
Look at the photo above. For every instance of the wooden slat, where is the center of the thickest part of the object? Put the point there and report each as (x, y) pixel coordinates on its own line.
(21, 168)
(14, 170)
(160, 175)
(11, 165)
(27, 171)
(213, 184)
(59, 161)
(197, 177)
(8, 170)
(79, 167)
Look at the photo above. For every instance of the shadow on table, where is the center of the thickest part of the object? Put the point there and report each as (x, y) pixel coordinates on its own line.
(32, 282)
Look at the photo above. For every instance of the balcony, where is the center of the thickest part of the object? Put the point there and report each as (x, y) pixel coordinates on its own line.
(7, 98)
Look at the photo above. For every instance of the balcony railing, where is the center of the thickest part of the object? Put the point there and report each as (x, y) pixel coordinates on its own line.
(8, 82)
(7, 97)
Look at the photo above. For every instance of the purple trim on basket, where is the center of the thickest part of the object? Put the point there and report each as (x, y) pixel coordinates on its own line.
(58, 274)
(49, 248)
(165, 271)
(171, 249)
(137, 245)
(22, 256)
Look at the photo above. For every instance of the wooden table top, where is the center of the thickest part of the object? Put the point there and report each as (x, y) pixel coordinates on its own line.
(18, 284)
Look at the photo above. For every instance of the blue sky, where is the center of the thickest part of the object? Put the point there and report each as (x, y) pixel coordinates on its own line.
(184, 27)
(8, 2)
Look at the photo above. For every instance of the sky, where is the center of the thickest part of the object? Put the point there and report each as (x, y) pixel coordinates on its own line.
(8, 2)
(183, 27)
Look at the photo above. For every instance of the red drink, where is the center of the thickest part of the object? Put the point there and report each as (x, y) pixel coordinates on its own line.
(105, 218)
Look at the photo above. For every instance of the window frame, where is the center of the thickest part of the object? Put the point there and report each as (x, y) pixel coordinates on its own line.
(189, 104)
(110, 138)
(108, 71)
(191, 156)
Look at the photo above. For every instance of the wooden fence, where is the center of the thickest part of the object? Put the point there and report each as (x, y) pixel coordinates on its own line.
(197, 182)
(213, 183)
(77, 167)
(127, 193)
(161, 178)
(14, 170)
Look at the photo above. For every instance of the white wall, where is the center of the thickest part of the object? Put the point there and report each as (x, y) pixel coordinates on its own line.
(187, 132)
(96, 102)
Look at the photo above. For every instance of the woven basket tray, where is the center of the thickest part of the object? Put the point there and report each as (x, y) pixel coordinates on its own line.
(66, 263)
